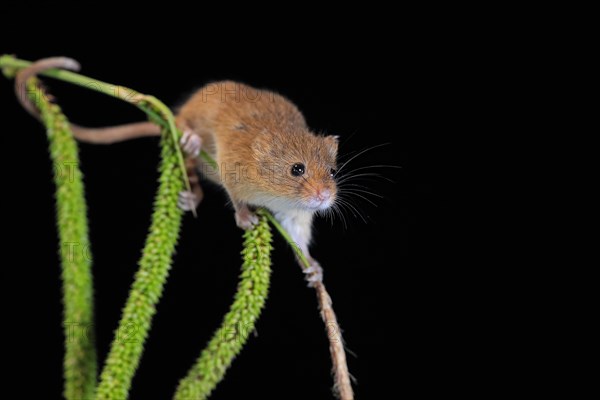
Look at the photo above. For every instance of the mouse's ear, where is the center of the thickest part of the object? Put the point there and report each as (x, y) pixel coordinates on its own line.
(333, 141)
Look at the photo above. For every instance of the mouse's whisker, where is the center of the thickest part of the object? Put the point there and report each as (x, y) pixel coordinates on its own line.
(352, 171)
(347, 178)
(347, 197)
(344, 202)
(361, 153)
(364, 189)
(352, 184)
(361, 196)
(339, 212)
(331, 213)
(355, 190)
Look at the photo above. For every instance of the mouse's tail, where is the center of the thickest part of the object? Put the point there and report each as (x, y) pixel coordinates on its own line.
(108, 135)
(114, 134)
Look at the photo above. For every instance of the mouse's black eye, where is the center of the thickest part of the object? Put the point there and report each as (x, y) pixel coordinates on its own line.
(332, 172)
(298, 169)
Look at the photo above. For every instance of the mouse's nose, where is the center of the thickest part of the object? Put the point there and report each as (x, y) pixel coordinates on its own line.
(323, 195)
(321, 200)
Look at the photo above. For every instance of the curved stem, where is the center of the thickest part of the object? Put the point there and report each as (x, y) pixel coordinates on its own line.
(239, 322)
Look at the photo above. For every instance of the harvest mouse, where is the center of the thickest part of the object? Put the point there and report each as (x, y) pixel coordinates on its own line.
(265, 153)
(266, 156)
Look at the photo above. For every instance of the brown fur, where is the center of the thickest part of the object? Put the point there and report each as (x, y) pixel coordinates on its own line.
(256, 136)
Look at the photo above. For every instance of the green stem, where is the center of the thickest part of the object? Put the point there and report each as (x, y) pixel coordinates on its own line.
(78, 319)
(239, 322)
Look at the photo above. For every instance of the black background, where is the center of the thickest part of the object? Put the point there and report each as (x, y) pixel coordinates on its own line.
(395, 310)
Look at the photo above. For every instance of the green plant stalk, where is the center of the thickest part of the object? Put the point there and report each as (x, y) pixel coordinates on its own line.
(239, 322)
(127, 347)
(78, 319)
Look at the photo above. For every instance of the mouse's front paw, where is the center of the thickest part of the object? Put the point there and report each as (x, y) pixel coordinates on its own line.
(314, 273)
(191, 143)
(187, 201)
(245, 219)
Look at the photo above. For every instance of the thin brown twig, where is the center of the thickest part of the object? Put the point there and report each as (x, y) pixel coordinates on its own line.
(342, 386)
